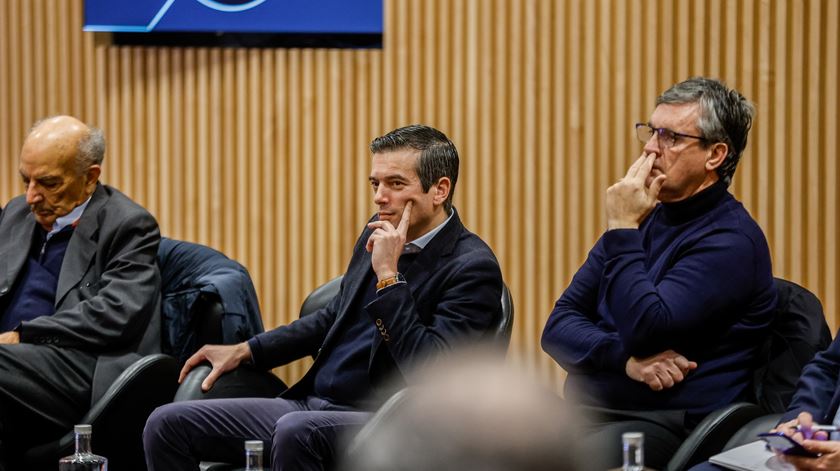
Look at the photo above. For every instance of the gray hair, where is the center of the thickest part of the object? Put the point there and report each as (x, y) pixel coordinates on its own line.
(438, 155)
(91, 150)
(725, 116)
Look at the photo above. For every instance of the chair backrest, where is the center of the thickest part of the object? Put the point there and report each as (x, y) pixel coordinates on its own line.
(501, 328)
(798, 332)
(207, 298)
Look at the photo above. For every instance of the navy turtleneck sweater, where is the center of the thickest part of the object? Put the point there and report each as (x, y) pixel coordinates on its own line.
(694, 278)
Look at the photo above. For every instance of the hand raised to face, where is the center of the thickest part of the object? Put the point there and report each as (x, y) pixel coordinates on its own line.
(386, 244)
(629, 201)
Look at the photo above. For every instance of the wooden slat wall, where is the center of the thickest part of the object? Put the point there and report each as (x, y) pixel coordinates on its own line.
(261, 153)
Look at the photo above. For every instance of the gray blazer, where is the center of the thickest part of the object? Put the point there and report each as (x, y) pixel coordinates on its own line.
(108, 296)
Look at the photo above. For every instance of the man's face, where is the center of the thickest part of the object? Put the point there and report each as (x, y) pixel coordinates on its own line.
(685, 163)
(395, 182)
(53, 185)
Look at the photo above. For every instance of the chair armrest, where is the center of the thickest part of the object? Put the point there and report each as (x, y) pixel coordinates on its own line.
(378, 419)
(709, 437)
(241, 382)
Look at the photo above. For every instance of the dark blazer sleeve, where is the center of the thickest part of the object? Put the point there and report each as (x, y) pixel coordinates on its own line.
(467, 302)
(290, 342)
(111, 306)
(818, 386)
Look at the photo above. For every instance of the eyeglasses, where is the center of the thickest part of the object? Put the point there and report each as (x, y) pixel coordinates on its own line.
(666, 137)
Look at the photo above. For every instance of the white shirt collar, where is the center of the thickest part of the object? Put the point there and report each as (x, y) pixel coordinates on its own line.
(69, 218)
(423, 240)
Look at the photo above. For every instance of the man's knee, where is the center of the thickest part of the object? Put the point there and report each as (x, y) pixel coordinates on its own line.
(292, 431)
(159, 425)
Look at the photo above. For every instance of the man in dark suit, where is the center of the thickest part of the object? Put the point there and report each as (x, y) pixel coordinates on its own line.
(418, 283)
(79, 286)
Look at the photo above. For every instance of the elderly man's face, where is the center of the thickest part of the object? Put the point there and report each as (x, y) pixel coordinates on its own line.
(54, 185)
(685, 162)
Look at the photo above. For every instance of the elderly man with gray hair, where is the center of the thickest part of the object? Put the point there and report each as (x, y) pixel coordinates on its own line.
(79, 286)
(662, 323)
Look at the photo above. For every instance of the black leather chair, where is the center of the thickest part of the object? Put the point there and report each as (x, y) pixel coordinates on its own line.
(119, 416)
(797, 334)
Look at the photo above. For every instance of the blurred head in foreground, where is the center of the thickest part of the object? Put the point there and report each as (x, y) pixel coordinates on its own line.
(470, 412)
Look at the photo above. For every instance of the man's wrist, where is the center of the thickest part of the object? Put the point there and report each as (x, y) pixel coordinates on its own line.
(389, 281)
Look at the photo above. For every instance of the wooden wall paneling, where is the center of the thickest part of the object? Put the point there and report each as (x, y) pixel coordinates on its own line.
(761, 138)
(262, 153)
(38, 61)
(199, 172)
(541, 180)
(813, 184)
(794, 129)
(319, 193)
(7, 45)
(165, 213)
(266, 226)
(469, 84)
(252, 195)
(827, 153)
(151, 155)
(27, 91)
(557, 222)
(525, 142)
(515, 145)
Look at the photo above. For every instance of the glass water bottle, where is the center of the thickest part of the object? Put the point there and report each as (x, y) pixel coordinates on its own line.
(83, 459)
(633, 444)
(254, 455)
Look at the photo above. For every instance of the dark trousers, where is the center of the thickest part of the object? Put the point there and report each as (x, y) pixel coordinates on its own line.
(297, 435)
(664, 433)
(44, 391)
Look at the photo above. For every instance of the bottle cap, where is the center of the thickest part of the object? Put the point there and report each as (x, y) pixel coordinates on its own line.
(83, 429)
(254, 445)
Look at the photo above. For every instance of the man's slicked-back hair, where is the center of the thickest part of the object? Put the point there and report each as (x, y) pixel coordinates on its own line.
(725, 116)
(438, 155)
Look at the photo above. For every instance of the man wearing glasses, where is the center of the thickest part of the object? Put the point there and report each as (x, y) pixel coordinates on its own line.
(661, 324)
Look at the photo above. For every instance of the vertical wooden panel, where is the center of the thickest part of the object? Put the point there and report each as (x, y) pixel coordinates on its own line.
(263, 153)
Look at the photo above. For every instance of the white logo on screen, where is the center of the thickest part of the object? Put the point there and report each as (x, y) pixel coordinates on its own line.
(230, 5)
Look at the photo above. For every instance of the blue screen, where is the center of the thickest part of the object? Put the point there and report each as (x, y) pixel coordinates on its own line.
(235, 16)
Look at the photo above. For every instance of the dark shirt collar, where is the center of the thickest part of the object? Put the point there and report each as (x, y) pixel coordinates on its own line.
(695, 205)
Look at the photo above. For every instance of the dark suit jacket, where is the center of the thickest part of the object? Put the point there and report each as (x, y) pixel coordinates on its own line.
(187, 270)
(818, 389)
(452, 295)
(108, 296)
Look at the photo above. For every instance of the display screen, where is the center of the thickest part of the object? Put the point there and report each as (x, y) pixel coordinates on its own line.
(235, 16)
